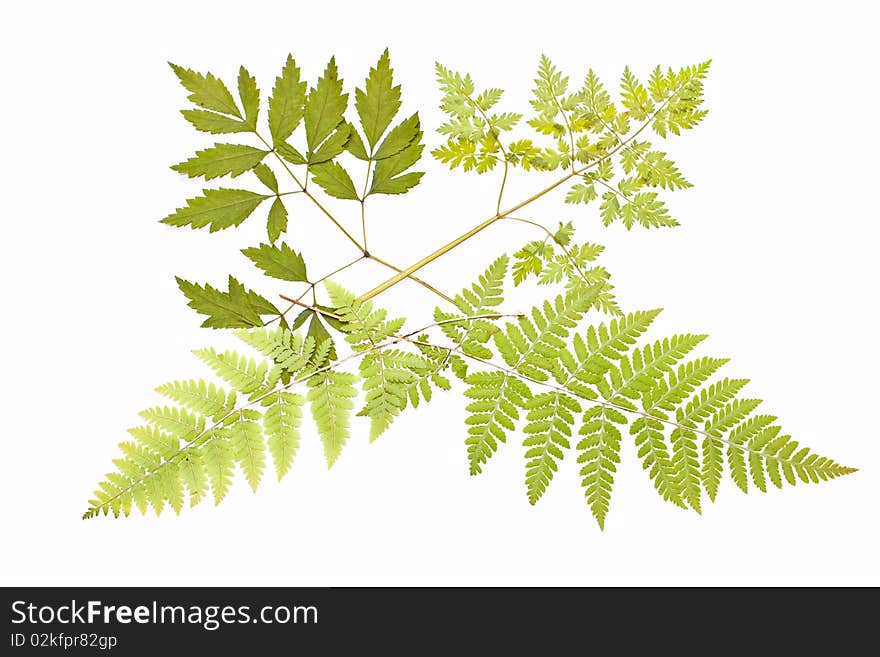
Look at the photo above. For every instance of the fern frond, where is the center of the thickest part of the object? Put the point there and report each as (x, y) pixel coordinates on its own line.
(248, 448)
(600, 453)
(497, 396)
(550, 419)
(202, 397)
(389, 377)
(483, 297)
(244, 374)
(281, 423)
(331, 396)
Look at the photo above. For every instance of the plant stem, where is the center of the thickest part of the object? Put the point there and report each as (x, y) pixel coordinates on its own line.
(552, 236)
(418, 280)
(309, 194)
(405, 273)
(501, 191)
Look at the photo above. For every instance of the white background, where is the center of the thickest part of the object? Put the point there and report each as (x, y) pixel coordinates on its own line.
(775, 258)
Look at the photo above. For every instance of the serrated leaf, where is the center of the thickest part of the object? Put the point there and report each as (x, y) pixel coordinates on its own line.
(250, 97)
(235, 308)
(355, 145)
(384, 181)
(221, 160)
(266, 176)
(319, 332)
(581, 193)
(332, 146)
(277, 223)
(324, 107)
(401, 136)
(334, 180)
(280, 262)
(287, 102)
(379, 101)
(216, 208)
(289, 153)
(216, 124)
(206, 91)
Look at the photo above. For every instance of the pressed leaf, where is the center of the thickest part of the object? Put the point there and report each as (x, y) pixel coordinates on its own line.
(216, 124)
(266, 176)
(235, 308)
(379, 101)
(289, 153)
(217, 209)
(325, 106)
(207, 91)
(278, 261)
(355, 145)
(287, 102)
(401, 136)
(332, 146)
(384, 181)
(277, 223)
(221, 160)
(250, 97)
(334, 180)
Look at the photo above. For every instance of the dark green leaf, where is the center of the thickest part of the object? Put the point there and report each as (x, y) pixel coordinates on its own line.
(206, 91)
(278, 261)
(379, 102)
(250, 97)
(401, 136)
(301, 319)
(320, 333)
(333, 146)
(287, 102)
(236, 308)
(325, 106)
(277, 220)
(334, 180)
(221, 160)
(217, 208)
(216, 124)
(267, 177)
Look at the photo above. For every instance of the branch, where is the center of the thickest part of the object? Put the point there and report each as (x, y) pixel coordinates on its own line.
(406, 273)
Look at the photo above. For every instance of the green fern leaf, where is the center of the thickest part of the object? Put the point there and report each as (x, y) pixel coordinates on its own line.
(248, 448)
(244, 374)
(330, 398)
(219, 463)
(497, 397)
(281, 422)
(600, 453)
(202, 397)
(550, 419)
